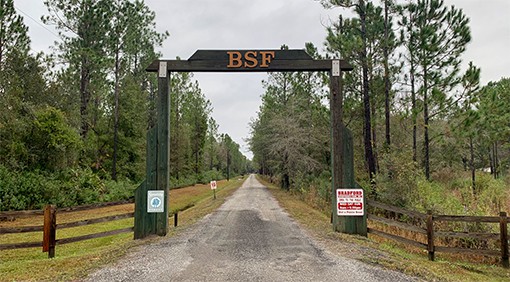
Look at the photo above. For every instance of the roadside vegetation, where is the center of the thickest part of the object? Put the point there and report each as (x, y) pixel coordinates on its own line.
(76, 260)
(73, 121)
(427, 134)
(386, 253)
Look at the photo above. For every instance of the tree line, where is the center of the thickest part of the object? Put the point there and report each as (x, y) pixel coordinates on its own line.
(73, 121)
(416, 113)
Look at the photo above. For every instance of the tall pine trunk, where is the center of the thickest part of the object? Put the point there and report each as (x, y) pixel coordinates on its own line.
(228, 164)
(374, 137)
(496, 160)
(426, 141)
(196, 145)
(413, 110)
(177, 136)
(491, 160)
(369, 155)
(116, 115)
(386, 76)
(472, 165)
(84, 95)
(412, 70)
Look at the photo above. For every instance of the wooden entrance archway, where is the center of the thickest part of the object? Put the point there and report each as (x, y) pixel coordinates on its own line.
(151, 197)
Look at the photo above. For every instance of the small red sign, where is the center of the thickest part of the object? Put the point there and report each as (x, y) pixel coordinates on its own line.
(349, 202)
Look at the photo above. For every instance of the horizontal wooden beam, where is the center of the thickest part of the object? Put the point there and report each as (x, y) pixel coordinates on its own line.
(20, 214)
(94, 206)
(22, 229)
(223, 55)
(471, 235)
(387, 207)
(29, 213)
(221, 66)
(397, 238)
(94, 236)
(480, 252)
(20, 245)
(465, 218)
(95, 220)
(398, 224)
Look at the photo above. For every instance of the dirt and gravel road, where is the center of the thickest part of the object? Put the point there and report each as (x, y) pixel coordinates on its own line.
(249, 238)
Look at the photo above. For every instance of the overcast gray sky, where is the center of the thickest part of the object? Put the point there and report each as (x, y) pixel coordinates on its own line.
(267, 24)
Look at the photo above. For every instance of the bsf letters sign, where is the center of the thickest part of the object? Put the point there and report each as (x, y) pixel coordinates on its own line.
(349, 202)
(250, 59)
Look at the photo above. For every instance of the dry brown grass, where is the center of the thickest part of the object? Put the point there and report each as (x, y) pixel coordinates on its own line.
(387, 253)
(75, 260)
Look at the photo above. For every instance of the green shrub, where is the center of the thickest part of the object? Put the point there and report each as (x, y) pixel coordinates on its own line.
(53, 143)
(492, 195)
(182, 182)
(20, 191)
(25, 190)
(210, 175)
(119, 190)
(396, 181)
(433, 196)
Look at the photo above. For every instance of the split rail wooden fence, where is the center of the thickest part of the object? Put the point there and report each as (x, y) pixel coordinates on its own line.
(431, 227)
(428, 225)
(50, 226)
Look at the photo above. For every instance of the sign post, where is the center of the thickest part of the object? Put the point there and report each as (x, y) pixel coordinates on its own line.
(343, 179)
(213, 187)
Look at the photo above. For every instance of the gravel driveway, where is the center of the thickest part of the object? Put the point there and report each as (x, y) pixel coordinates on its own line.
(249, 238)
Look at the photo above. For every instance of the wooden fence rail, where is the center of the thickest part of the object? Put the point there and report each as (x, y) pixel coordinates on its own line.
(50, 226)
(30, 213)
(430, 231)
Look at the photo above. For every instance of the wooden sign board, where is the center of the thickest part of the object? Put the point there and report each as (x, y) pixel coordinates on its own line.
(350, 202)
(155, 201)
(249, 61)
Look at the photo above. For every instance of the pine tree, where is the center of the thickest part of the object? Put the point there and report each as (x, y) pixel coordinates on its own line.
(292, 108)
(467, 117)
(361, 40)
(442, 35)
(131, 44)
(22, 89)
(13, 32)
(83, 27)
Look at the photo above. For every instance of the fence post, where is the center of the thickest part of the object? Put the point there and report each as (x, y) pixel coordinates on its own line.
(503, 231)
(176, 218)
(430, 235)
(49, 230)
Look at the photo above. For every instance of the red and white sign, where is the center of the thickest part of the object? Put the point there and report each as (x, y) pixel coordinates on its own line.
(349, 202)
(213, 185)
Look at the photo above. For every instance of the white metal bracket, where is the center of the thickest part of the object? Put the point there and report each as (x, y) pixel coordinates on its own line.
(335, 68)
(162, 69)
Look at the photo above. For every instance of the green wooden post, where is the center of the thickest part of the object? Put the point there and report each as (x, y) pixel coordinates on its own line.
(151, 174)
(342, 159)
(140, 210)
(157, 166)
(336, 110)
(351, 224)
(145, 223)
(163, 145)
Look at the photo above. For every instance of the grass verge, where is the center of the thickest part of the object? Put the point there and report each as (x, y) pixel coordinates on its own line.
(375, 250)
(76, 260)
